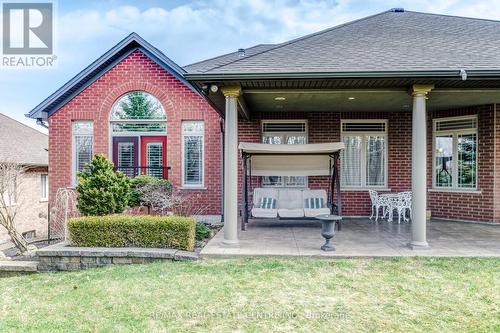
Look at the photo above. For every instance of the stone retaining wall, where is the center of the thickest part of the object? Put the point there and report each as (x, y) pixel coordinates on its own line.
(61, 257)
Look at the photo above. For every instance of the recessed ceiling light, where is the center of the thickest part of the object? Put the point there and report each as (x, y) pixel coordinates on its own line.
(351, 98)
(279, 98)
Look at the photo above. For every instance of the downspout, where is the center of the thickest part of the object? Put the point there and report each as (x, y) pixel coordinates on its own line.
(221, 122)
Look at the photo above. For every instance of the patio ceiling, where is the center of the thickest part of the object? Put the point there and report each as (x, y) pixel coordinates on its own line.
(378, 96)
(361, 100)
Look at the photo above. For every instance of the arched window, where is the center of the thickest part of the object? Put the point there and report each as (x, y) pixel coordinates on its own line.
(138, 111)
(138, 126)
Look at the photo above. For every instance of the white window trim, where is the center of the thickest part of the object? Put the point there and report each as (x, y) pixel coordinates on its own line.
(297, 121)
(46, 197)
(74, 179)
(363, 135)
(183, 157)
(454, 133)
(306, 132)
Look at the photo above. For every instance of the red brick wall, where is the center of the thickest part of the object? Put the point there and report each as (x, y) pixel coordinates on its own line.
(325, 126)
(138, 72)
(496, 154)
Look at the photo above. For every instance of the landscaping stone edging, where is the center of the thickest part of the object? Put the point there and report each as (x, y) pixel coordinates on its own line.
(61, 257)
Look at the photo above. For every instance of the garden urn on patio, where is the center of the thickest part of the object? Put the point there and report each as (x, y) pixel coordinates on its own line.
(328, 229)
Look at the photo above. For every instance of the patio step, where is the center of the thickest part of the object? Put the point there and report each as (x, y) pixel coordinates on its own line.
(18, 266)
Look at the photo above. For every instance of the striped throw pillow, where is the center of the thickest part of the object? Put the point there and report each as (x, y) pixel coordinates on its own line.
(267, 203)
(314, 203)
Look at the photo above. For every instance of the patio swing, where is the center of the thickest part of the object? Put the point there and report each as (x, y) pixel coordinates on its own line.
(320, 159)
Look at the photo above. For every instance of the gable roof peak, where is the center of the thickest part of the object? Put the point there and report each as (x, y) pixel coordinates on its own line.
(99, 67)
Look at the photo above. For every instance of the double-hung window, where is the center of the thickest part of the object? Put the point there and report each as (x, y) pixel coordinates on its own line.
(455, 153)
(192, 151)
(83, 138)
(364, 159)
(44, 187)
(287, 132)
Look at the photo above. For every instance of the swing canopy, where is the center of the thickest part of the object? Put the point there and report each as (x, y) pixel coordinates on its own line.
(320, 159)
(290, 160)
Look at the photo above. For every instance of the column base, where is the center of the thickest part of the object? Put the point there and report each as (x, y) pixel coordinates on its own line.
(229, 243)
(417, 245)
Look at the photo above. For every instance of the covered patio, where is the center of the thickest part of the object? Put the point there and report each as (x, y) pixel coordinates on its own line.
(410, 119)
(410, 146)
(359, 237)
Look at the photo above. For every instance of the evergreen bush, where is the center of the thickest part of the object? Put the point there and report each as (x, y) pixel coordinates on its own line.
(101, 189)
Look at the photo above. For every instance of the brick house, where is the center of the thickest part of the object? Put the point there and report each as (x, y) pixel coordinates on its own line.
(413, 96)
(27, 147)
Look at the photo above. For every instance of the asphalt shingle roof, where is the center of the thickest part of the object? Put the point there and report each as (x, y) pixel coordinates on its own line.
(389, 41)
(205, 65)
(22, 144)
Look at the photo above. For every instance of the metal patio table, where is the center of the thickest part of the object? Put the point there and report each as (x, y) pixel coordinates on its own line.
(391, 199)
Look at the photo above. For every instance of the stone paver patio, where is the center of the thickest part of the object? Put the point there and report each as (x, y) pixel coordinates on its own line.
(358, 238)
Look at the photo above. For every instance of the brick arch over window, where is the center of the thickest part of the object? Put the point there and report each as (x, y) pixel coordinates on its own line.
(124, 88)
(102, 120)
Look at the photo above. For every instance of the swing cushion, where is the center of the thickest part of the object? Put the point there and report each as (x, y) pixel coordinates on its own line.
(315, 203)
(264, 213)
(267, 203)
(261, 198)
(290, 203)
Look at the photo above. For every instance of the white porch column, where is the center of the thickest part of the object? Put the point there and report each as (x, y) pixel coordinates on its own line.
(419, 167)
(231, 165)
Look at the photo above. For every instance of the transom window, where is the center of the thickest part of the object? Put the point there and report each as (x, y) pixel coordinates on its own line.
(288, 132)
(138, 111)
(364, 159)
(455, 153)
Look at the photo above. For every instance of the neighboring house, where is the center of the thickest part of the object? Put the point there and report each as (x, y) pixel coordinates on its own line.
(26, 146)
(413, 96)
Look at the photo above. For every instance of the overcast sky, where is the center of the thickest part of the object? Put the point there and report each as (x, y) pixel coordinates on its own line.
(188, 31)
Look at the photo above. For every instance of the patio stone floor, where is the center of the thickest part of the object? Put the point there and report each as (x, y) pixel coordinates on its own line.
(358, 238)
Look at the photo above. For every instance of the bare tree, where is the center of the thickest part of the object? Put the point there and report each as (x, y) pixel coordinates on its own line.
(63, 209)
(11, 202)
(163, 200)
(188, 205)
(157, 196)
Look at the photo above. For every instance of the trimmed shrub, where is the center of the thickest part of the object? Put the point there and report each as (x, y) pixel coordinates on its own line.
(142, 183)
(101, 190)
(133, 231)
(202, 231)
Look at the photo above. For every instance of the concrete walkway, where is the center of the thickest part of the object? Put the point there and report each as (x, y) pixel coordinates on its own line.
(358, 238)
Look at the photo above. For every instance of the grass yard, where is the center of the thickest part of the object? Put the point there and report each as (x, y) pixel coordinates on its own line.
(259, 295)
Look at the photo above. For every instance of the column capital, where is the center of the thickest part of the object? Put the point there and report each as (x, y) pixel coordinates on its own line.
(421, 89)
(231, 91)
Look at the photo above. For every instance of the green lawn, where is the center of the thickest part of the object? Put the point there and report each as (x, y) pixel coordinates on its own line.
(259, 295)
